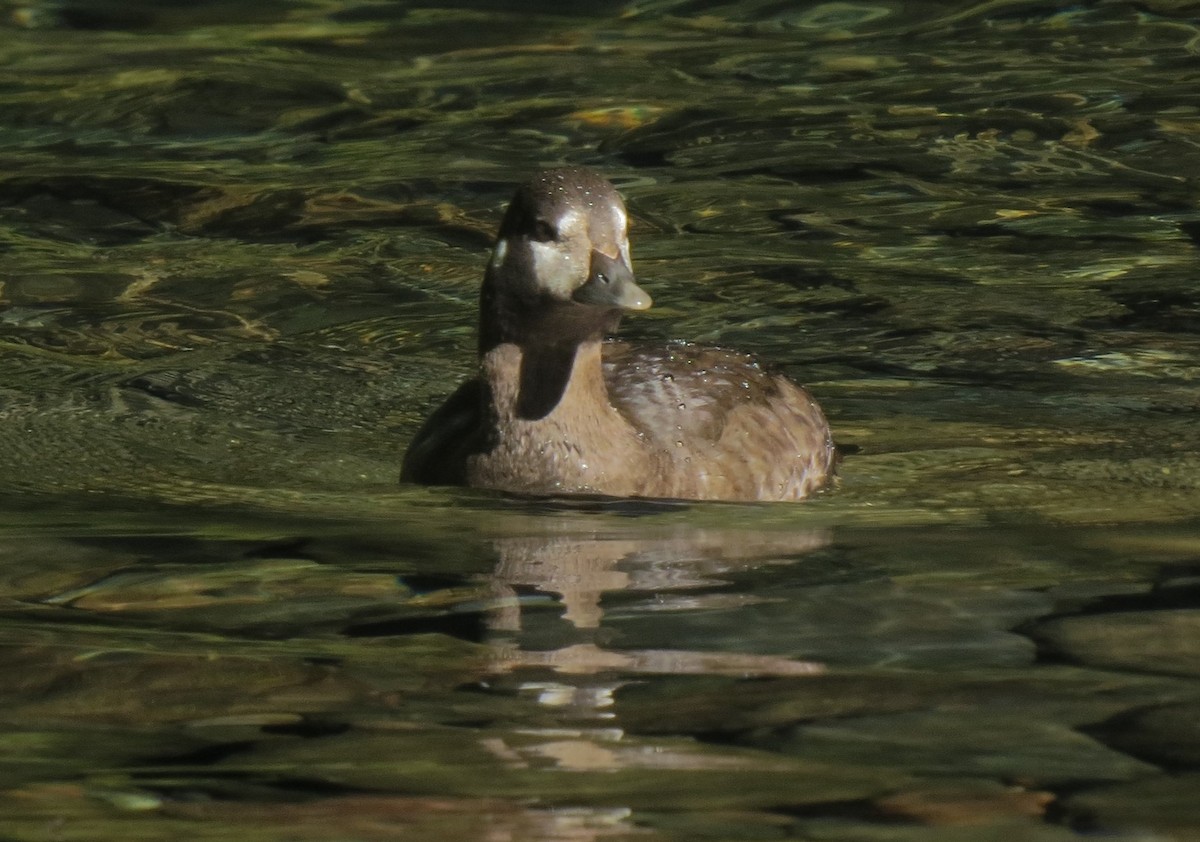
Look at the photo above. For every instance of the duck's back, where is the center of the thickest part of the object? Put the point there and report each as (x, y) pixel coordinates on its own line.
(731, 430)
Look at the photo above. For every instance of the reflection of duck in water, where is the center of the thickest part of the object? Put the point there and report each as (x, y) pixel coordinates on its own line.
(557, 410)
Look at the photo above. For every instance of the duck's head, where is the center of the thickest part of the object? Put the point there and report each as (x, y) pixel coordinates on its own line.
(560, 270)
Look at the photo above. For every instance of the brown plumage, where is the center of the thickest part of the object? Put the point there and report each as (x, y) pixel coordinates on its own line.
(556, 409)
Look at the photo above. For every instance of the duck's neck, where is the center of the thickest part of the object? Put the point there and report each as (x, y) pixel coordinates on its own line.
(538, 322)
(536, 354)
(529, 383)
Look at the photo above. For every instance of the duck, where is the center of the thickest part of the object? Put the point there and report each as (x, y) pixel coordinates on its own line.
(559, 408)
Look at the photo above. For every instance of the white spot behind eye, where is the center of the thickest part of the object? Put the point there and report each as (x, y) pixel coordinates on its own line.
(499, 253)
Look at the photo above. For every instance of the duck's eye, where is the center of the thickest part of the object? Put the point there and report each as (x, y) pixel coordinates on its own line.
(543, 231)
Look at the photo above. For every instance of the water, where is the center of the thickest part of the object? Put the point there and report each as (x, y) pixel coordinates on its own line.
(242, 250)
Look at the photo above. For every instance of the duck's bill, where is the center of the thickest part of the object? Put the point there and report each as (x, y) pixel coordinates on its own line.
(610, 283)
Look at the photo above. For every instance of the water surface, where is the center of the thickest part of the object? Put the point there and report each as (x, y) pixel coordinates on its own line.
(242, 250)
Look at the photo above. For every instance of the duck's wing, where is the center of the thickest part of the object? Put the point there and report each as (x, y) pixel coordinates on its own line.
(437, 453)
(734, 430)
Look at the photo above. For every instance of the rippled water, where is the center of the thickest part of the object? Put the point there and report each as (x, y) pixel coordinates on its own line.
(241, 255)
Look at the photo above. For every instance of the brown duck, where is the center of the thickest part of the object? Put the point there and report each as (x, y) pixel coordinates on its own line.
(557, 409)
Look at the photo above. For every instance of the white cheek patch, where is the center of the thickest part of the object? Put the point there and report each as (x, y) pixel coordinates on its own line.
(499, 253)
(553, 268)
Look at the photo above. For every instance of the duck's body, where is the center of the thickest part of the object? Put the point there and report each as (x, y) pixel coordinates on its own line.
(558, 410)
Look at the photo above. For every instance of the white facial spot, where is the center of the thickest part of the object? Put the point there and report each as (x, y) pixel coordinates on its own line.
(623, 247)
(499, 253)
(569, 221)
(560, 265)
(552, 267)
(620, 219)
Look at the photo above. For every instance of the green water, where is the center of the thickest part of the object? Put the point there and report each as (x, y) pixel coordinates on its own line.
(241, 256)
